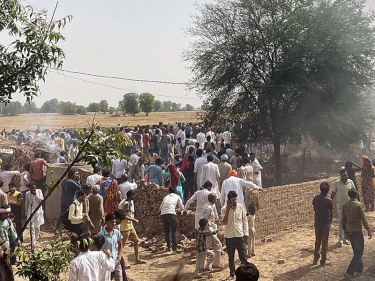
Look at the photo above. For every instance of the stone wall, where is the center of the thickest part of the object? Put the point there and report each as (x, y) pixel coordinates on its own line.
(281, 208)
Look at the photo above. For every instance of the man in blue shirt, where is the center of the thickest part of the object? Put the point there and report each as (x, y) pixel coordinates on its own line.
(68, 191)
(113, 238)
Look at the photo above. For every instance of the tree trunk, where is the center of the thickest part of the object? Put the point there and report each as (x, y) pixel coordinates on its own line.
(277, 157)
(146, 113)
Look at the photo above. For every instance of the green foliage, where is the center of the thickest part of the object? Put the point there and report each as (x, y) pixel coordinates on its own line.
(30, 107)
(103, 106)
(130, 104)
(111, 110)
(81, 110)
(188, 107)
(33, 49)
(46, 264)
(103, 147)
(166, 106)
(285, 69)
(13, 108)
(175, 106)
(146, 102)
(93, 107)
(50, 106)
(68, 108)
(157, 106)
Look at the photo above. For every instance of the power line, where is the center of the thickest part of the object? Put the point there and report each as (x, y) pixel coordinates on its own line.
(184, 83)
(120, 78)
(118, 88)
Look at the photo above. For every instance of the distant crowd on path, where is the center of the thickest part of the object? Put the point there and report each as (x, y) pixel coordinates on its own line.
(350, 213)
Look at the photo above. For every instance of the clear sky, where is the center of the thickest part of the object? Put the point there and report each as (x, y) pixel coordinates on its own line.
(142, 39)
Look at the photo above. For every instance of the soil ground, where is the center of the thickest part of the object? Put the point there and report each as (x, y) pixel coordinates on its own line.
(56, 121)
(294, 246)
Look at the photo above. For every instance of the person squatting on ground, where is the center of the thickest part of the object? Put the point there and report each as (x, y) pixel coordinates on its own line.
(353, 217)
(323, 208)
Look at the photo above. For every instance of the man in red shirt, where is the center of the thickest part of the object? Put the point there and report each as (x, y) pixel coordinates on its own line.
(36, 171)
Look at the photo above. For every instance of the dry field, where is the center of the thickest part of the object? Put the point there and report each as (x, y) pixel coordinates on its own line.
(56, 121)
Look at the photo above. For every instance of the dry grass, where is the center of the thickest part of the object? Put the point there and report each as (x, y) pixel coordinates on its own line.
(56, 121)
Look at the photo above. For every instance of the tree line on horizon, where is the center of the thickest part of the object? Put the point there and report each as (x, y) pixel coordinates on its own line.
(132, 103)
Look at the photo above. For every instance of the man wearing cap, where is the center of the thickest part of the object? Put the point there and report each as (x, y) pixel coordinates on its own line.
(7, 230)
(224, 168)
(340, 191)
(233, 183)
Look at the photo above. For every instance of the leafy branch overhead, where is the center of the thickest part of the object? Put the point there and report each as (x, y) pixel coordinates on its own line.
(34, 48)
(102, 147)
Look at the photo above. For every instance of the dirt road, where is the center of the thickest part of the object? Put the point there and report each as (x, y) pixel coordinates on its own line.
(295, 247)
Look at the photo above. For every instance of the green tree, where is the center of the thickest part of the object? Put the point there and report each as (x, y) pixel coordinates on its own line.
(103, 106)
(13, 108)
(94, 107)
(175, 106)
(32, 50)
(285, 69)
(30, 107)
(111, 110)
(81, 110)
(51, 106)
(189, 107)
(130, 104)
(146, 102)
(166, 106)
(157, 106)
(68, 108)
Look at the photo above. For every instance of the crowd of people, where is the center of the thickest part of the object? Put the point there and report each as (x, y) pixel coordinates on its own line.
(192, 171)
(199, 167)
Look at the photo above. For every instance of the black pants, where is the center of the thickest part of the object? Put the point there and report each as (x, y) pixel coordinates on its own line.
(76, 230)
(233, 244)
(170, 224)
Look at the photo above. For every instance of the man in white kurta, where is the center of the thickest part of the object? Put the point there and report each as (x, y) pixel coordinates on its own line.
(201, 196)
(201, 138)
(236, 184)
(257, 168)
(32, 199)
(210, 172)
(198, 167)
(227, 137)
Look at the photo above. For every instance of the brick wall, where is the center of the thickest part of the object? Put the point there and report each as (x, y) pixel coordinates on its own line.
(288, 206)
(281, 208)
(147, 203)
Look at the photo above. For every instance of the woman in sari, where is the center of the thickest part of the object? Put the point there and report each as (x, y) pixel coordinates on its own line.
(368, 175)
(187, 169)
(111, 197)
(176, 178)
